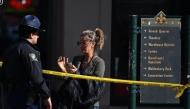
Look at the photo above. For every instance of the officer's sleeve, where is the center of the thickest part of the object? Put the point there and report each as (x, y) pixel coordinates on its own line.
(33, 66)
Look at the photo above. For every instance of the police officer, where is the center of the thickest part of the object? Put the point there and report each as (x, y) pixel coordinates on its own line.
(22, 68)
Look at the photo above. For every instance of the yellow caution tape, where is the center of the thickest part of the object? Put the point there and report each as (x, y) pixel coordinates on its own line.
(178, 87)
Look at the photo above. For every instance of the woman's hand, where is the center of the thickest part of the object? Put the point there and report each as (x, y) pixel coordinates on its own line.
(62, 63)
(72, 69)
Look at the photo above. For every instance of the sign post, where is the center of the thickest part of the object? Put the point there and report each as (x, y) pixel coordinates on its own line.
(187, 69)
(133, 61)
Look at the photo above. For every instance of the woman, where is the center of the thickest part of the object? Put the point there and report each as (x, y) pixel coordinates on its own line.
(87, 64)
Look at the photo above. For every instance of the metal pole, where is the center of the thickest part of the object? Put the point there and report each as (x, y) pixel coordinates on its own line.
(133, 61)
(187, 35)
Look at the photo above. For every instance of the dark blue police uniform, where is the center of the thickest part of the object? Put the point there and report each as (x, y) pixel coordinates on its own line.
(23, 65)
(21, 68)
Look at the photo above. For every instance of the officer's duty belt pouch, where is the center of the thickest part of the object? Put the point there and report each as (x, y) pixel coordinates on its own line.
(31, 94)
(31, 97)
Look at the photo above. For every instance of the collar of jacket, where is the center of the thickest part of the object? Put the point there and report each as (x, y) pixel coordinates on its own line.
(21, 39)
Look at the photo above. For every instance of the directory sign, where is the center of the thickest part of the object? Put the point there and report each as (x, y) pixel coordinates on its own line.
(160, 58)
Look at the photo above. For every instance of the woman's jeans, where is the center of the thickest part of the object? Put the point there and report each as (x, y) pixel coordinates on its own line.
(96, 107)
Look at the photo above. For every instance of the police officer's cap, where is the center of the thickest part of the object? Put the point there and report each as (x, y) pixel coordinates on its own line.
(31, 21)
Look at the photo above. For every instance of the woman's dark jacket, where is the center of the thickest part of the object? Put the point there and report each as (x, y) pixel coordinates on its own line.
(80, 93)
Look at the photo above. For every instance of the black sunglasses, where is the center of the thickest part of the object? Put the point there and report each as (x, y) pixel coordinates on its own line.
(81, 43)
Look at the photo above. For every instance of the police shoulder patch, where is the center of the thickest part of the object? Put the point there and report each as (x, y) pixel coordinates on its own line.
(33, 57)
